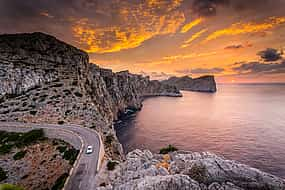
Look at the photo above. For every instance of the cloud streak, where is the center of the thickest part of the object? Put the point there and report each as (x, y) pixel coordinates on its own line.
(245, 28)
(192, 24)
(193, 37)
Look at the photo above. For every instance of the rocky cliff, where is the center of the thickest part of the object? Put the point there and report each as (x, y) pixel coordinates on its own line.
(43, 79)
(201, 84)
(185, 171)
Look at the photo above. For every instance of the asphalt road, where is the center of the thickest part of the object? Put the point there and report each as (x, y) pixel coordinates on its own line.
(85, 168)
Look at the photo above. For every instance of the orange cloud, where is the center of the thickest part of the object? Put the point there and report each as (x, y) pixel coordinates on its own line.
(191, 24)
(244, 28)
(193, 37)
(188, 56)
(138, 23)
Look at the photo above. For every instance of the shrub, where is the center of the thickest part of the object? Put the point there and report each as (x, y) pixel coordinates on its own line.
(61, 149)
(78, 94)
(32, 136)
(19, 155)
(71, 155)
(111, 165)
(33, 112)
(74, 83)
(10, 187)
(60, 122)
(60, 182)
(198, 173)
(109, 139)
(5, 148)
(3, 174)
(168, 149)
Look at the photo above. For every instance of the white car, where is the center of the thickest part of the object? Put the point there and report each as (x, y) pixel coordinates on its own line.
(89, 149)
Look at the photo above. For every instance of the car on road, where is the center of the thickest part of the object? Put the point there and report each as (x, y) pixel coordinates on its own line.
(89, 149)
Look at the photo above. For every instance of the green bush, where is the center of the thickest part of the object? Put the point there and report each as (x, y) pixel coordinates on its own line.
(5, 148)
(19, 155)
(61, 149)
(60, 182)
(60, 122)
(111, 165)
(32, 136)
(71, 155)
(3, 174)
(78, 94)
(168, 149)
(10, 187)
(33, 112)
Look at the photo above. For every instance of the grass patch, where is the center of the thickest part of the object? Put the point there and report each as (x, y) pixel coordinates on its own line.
(3, 174)
(60, 182)
(19, 155)
(111, 165)
(8, 140)
(10, 187)
(168, 149)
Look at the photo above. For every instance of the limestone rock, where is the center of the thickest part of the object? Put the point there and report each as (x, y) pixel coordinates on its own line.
(201, 84)
(205, 171)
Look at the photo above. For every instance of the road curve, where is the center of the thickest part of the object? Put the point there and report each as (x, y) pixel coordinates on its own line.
(83, 173)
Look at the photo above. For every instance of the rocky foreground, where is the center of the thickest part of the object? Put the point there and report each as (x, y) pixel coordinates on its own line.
(44, 80)
(201, 84)
(185, 171)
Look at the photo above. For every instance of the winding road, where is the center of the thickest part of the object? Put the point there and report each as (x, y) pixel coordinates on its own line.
(83, 173)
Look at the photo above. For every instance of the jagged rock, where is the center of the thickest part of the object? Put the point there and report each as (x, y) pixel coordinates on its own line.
(201, 84)
(204, 171)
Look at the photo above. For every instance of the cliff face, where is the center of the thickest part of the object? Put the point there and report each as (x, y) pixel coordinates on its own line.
(30, 60)
(45, 80)
(201, 84)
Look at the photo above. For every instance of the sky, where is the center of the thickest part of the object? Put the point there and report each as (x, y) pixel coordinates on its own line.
(239, 41)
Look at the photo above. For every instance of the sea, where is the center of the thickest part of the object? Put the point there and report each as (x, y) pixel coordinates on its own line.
(243, 122)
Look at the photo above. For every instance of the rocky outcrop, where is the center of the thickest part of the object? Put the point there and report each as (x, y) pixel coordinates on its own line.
(30, 60)
(185, 170)
(46, 80)
(201, 84)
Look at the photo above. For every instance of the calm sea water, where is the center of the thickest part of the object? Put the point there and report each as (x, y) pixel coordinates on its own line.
(240, 122)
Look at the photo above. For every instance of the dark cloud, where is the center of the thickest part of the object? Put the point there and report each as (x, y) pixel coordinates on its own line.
(258, 67)
(237, 46)
(215, 70)
(208, 7)
(270, 54)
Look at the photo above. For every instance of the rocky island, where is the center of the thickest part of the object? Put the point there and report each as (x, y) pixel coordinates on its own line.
(44, 80)
(201, 84)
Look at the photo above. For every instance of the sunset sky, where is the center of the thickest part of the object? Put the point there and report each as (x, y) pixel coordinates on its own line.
(236, 40)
